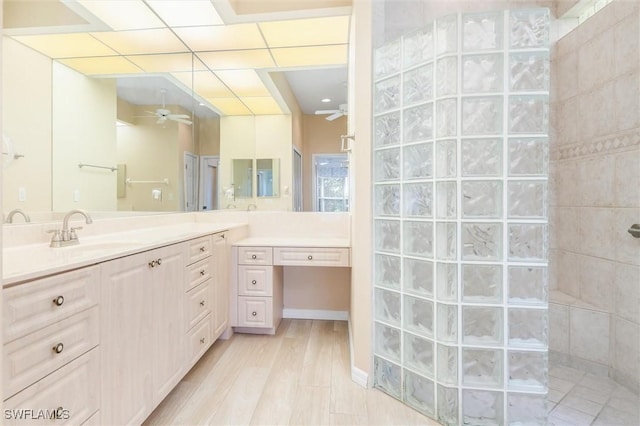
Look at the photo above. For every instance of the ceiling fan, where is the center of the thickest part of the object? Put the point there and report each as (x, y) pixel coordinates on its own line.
(334, 113)
(163, 114)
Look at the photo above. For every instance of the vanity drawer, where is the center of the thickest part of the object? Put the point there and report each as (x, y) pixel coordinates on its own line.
(255, 255)
(73, 390)
(28, 359)
(198, 273)
(255, 280)
(255, 311)
(199, 339)
(198, 249)
(198, 304)
(311, 256)
(28, 307)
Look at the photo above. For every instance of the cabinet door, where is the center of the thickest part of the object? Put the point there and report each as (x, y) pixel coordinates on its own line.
(220, 286)
(126, 340)
(168, 320)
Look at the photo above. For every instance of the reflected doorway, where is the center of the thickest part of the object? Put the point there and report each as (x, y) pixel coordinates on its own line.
(209, 182)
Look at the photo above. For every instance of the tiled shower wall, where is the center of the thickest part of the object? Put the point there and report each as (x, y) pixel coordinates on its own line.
(460, 181)
(595, 152)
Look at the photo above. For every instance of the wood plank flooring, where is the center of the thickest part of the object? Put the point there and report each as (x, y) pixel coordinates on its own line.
(300, 376)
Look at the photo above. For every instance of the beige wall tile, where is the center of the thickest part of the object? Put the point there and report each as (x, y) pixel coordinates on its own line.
(627, 347)
(627, 292)
(559, 327)
(553, 270)
(568, 273)
(566, 177)
(566, 71)
(597, 232)
(589, 334)
(596, 181)
(627, 44)
(627, 101)
(597, 278)
(567, 121)
(627, 248)
(567, 229)
(594, 58)
(627, 179)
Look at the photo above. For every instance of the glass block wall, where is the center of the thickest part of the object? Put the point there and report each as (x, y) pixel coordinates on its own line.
(460, 226)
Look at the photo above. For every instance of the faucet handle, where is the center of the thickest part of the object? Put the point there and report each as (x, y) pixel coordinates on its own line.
(72, 233)
(55, 238)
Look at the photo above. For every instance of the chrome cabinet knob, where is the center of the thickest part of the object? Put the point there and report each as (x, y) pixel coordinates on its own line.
(58, 301)
(254, 282)
(254, 313)
(202, 303)
(634, 230)
(58, 348)
(253, 256)
(202, 272)
(152, 264)
(309, 257)
(159, 262)
(202, 249)
(202, 341)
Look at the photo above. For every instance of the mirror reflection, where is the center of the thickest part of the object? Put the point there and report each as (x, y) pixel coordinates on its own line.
(267, 177)
(242, 178)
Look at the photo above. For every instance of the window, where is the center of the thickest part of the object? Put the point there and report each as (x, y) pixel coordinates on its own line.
(331, 180)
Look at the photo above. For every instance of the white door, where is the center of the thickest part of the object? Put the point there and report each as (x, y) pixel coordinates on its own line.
(209, 182)
(190, 182)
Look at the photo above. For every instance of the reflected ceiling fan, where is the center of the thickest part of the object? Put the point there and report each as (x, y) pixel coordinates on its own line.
(334, 113)
(163, 114)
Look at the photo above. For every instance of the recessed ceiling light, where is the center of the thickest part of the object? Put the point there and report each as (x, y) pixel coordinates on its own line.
(326, 100)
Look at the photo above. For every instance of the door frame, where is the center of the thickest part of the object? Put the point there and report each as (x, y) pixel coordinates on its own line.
(201, 180)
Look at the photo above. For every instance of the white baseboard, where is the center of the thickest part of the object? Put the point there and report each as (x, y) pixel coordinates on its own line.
(316, 314)
(358, 376)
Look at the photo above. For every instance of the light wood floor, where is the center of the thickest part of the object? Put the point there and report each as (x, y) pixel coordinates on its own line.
(300, 376)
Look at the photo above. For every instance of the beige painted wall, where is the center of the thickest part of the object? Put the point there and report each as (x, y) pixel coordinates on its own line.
(26, 118)
(317, 288)
(320, 137)
(83, 131)
(208, 136)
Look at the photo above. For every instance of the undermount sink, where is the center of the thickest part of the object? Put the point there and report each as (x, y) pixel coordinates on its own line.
(100, 246)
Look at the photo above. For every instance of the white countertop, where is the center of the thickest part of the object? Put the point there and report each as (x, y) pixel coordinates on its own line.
(30, 261)
(293, 242)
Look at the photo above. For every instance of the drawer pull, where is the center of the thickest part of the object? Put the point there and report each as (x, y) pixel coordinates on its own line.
(152, 264)
(254, 313)
(254, 282)
(159, 262)
(58, 300)
(202, 272)
(58, 348)
(202, 303)
(202, 249)
(310, 257)
(202, 341)
(253, 256)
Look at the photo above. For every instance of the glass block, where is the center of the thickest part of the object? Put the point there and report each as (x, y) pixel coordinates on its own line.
(482, 31)
(418, 277)
(529, 28)
(529, 114)
(527, 242)
(387, 271)
(481, 199)
(482, 408)
(447, 405)
(481, 157)
(418, 85)
(481, 241)
(447, 371)
(526, 409)
(528, 370)
(447, 76)
(527, 285)
(482, 367)
(447, 323)
(387, 200)
(418, 47)
(386, 94)
(446, 159)
(529, 71)
(528, 328)
(446, 200)
(418, 316)
(387, 129)
(387, 376)
(418, 239)
(387, 342)
(447, 34)
(528, 157)
(418, 354)
(418, 199)
(387, 164)
(387, 235)
(418, 161)
(447, 282)
(482, 283)
(527, 199)
(446, 240)
(482, 73)
(482, 325)
(388, 306)
(419, 392)
(446, 118)
(482, 115)
(418, 123)
(386, 59)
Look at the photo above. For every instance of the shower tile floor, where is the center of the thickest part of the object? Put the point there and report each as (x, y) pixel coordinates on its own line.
(577, 398)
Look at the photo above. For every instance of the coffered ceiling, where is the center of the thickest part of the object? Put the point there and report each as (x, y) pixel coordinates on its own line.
(231, 54)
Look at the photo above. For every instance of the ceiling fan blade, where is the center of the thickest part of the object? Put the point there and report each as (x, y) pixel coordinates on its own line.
(335, 115)
(181, 120)
(183, 116)
(161, 120)
(327, 111)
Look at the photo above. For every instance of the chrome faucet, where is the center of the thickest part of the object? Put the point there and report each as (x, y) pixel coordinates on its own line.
(68, 237)
(249, 207)
(231, 206)
(17, 211)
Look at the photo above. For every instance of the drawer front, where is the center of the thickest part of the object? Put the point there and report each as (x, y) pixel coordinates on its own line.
(255, 280)
(198, 304)
(198, 249)
(28, 359)
(255, 255)
(311, 256)
(255, 312)
(93, 420)
(198, 273)
(28, 307)
(73, 392)
(199, 339)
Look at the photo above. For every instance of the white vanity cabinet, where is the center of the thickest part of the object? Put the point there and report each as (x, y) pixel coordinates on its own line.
(51, 347)
(220, 285)
(143, 339)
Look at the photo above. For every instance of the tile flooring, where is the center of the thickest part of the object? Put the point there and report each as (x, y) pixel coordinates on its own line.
(577, 398)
